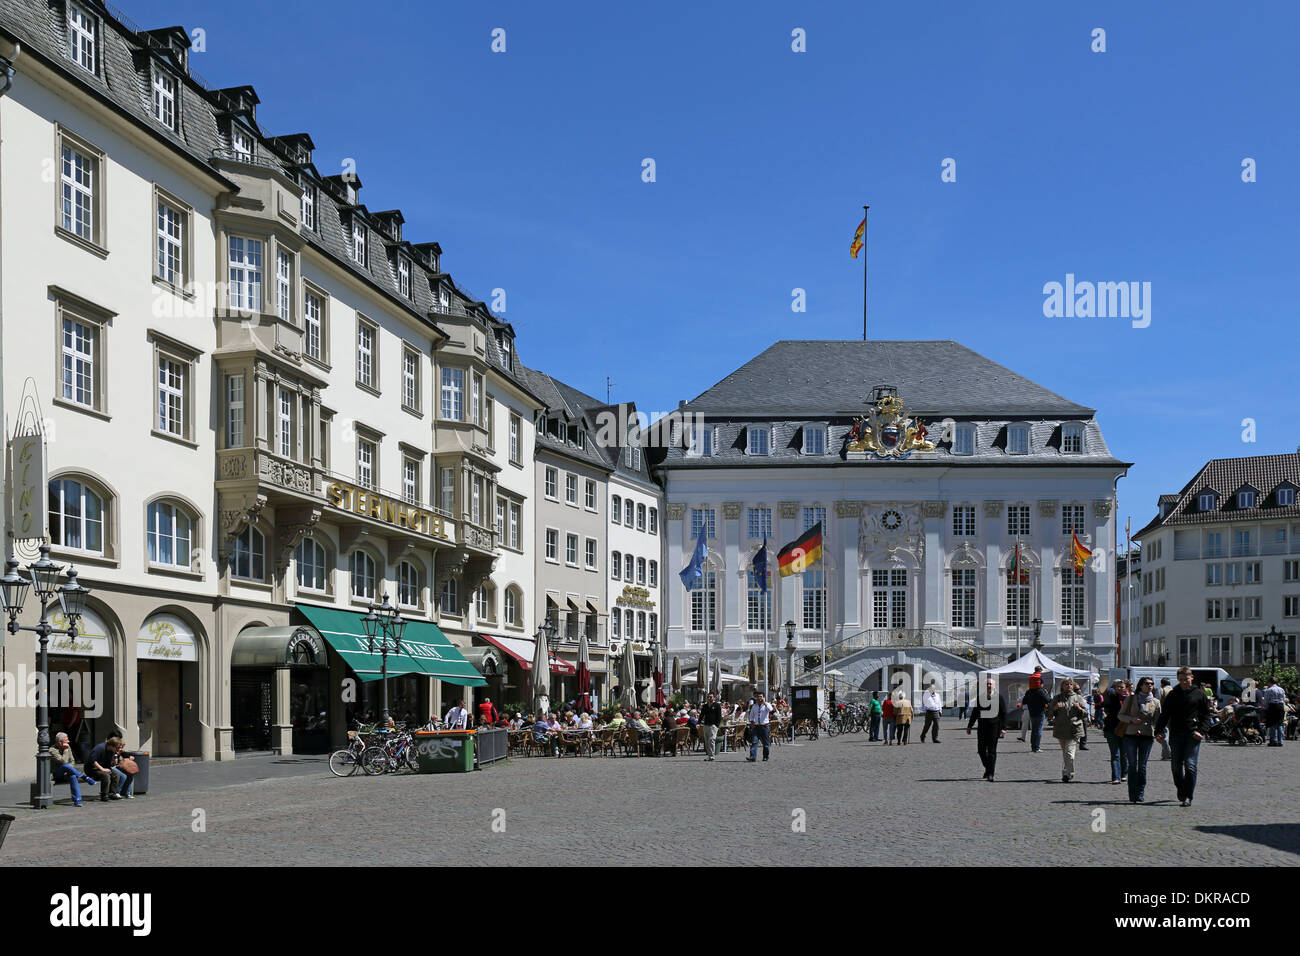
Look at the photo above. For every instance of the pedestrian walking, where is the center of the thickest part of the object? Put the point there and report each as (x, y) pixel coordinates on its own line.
(1186, 714)
(903, 719)
(887, 716)
(1274, 701)
(1110, 707)
(1036, 701)
(759, 713)
(1165, 687)
(874, 705)
(932, 704)
(1068, 716)
(710, 720)
(989, 713)
(1137, 723)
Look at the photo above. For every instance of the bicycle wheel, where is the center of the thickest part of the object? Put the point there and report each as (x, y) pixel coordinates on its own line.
(832, 728)
(410, 759)
(374, 761)
(343, 763)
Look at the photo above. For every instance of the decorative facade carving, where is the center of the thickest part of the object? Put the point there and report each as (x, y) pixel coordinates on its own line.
(993, 509)
(477, 537)
(1101, 507)
(848, 509)
(731, 510)
(236, 513)
(676, 511)
(934, 509)
(1047, 508)
(889, 530)
(292, 528)
(286, 474)
(789, 509)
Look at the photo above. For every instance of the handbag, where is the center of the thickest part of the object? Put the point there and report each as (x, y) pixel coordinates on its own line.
(128, 765)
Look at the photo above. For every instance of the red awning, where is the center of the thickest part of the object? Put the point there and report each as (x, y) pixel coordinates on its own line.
(520, 650)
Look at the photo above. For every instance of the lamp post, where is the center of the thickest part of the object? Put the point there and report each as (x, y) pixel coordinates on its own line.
(1038, 631)
(384, 625)
(1271, 641)
(656, 672)
(789, 659)
(551, 635)
(72, 601)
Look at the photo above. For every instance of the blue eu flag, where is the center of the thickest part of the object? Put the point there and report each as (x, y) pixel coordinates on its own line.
(693, 573)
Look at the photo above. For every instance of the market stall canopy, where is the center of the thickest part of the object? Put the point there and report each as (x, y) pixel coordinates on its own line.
(521, 650)
(1024, 667)
(425, 649)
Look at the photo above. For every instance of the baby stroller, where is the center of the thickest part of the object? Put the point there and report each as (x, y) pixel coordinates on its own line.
(1244, 727)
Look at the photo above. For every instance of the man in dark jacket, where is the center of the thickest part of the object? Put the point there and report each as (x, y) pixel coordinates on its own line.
(1035, 705)
(710, 718)
(989, 711)
(1186, 712)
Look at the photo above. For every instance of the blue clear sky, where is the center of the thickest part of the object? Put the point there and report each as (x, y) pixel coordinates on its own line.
(1122, 165)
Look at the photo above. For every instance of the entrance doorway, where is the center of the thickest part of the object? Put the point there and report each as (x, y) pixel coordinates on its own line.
(159, 704)
(250, 708)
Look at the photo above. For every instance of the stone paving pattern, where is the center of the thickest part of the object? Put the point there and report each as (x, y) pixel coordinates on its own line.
(865, 803)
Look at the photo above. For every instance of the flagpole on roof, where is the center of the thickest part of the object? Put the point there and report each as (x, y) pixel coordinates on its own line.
(864, 273)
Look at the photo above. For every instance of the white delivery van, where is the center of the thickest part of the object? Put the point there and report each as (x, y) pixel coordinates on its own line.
(1225, 687)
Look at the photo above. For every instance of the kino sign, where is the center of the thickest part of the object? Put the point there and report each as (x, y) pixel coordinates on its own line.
(29, 518)
(383, 508)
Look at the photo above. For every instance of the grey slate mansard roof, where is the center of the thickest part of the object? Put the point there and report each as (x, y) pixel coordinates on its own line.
(1265, 474)
(794, 384)
(202, 136)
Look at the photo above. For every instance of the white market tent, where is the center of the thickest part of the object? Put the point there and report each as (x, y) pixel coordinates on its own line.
(1052, 670)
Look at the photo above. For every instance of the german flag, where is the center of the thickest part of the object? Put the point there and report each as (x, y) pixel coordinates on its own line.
(801, 553)
(1078, 552)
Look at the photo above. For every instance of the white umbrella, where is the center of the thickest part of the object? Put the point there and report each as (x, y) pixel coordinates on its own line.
(584, 669)
(541, 683)
(628, 678)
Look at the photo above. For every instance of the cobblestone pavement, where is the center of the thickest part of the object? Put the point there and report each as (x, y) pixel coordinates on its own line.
(861, 803)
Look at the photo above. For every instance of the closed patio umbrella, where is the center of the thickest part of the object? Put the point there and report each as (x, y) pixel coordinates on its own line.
(584, 674)
(627, 678)
(658, 675)
(773, 675)
(753, 669)
(677, 673)
(716, 685)
(541, 683)
(701, 678)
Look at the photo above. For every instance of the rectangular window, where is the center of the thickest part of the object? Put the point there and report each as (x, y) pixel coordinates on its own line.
(242, 143)
(358, 241)
(814, 440)
(1018, 521)
(1072, 519)
(653, 577)
(245, 265)
(1232, 572)
(234, 411)
(81, 37)
(80, 174)
(1243, 543)
(501, 520)
(1254, 608)
(404, 276)
(759, 523)
(963, 521)
(1285, 497)
(170, 261)
(703, 518)
(1072, 439)
(1254, 572)
(1214, 609)
(1017, 440)
(309, 206)
(313, 317)
(164, 98)
(704, 618)
(453, 394)
(1213, 574)
(551, 486)
(476, 501)
(514, 439)
(629, 568)
(628, 512)
(552, 544)
(590, 495)
(515, 513)
(590, 548)
(411, 481)
(1072, 607)
(1220, 651)
(814, 600)
(616, 565)
(284, 424)
(701, 441)
(1214, 544)
(814, 516)
(171, 396)
(365, 355)
(963, 442)
(80, 358)
(1232, 609)
(447, 490)
(640, 571)
(1290, 571)
(963, 597)
(654, 520)
(760, 440)
(1290, 605)
(283, 285)
(365, 463)
(1018, 599)
(1189, 654)
(640, 517)
(411, 380)
(571, 489)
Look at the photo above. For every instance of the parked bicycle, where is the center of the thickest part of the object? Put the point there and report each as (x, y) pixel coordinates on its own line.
(344, 763)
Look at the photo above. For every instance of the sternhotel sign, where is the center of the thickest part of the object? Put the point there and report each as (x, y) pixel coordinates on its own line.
(383, 508)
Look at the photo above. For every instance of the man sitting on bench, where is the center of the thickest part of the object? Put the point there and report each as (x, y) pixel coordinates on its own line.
(64, 767)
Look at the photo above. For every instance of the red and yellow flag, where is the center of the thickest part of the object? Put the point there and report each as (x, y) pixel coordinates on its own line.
(856, 246)
(1078, 552)
(801, 553)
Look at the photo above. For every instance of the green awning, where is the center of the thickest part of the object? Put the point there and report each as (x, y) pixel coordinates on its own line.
(425, 649)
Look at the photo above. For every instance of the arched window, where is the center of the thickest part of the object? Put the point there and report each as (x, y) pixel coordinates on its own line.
(616, 512)
(447, 602)
(486, 603)
(363, 575)
(248, 559)
(169, 534)
(310, 559)
(511, 607)
(408, 584)
(76, 516)
(616, 564)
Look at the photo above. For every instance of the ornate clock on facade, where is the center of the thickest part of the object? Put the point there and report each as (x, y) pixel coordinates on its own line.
(891, 520)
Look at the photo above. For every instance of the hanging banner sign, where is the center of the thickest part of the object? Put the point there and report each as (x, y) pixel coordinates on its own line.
(29, 515)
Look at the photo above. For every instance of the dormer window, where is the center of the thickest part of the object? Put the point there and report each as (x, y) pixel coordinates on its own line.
(82, 27)
(1018, 440)
(701, 441)
(1205, 501)
(504, 343)
(963, 440)
(1164, 509)
(1072, 439)
(1285, 497)
(760, 440)
(241, 141)
(358, 240)
(582, 439)
(633, 458)
(404, 276)
(164, 98)
(814, 440)
(308, 205)
(444, 300)
(1245, 499)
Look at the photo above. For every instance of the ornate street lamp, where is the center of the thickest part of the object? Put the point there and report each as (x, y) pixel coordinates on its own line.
(72, 601)
(1271, 641)
(551, 634)
(1038, 631)
(789, 659)
(384, 626)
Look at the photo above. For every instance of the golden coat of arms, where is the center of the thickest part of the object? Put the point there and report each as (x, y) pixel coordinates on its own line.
(888, 430)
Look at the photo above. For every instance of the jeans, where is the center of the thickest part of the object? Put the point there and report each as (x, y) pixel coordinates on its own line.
(759, 732)
(1274, 719)
(1184, 748)
(1069, 747)
(1136, 751)
(709, 733)
(875, 726)
(889, 729)
(931, 724)
(63, 773)
(1118, 765)
(1036, 732)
